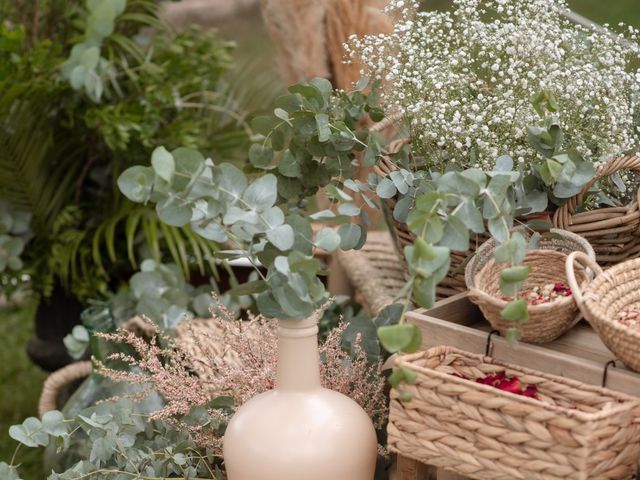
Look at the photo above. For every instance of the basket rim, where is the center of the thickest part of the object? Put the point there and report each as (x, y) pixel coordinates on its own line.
(627, 401)
(591, 298)
(498, 302)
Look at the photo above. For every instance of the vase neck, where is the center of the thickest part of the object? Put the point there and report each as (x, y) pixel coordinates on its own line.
(298, 358)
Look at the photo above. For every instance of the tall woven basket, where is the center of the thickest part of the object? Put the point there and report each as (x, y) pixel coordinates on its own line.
(602, 299)
(571, 432)
(614, 232)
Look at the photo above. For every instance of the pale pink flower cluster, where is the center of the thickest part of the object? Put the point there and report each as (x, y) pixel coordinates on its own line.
(237, 359)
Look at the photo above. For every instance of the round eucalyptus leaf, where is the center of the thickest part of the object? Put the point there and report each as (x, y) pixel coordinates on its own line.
(173, 212)
(262, 193)
(136, 183)
(327, 239)
(282, 237)
(352, 236)
(163, 163)
(260, 155)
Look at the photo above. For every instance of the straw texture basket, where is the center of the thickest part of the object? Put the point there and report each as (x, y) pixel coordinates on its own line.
(602, 299)
(561, 241)
(572, 432)
(200, 338)
(613, 231)
(546, 321)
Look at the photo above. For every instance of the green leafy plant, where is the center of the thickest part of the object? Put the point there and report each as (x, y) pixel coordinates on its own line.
(308, 143)
(86, 92)
(121, 445)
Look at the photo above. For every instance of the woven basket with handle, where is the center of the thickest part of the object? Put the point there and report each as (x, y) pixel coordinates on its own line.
(572, 431)
(198, 337)
(614, 232)
(602, 299)
(547, 321)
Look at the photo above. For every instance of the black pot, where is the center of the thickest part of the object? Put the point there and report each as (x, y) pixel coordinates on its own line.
(55, 318)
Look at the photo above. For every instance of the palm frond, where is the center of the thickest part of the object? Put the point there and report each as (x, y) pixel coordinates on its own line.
(36, 176)
(140, 229)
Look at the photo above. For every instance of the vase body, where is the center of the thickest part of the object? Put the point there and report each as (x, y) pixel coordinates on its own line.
(299, 430)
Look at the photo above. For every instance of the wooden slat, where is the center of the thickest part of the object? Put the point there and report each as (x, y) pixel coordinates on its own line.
(579, 354)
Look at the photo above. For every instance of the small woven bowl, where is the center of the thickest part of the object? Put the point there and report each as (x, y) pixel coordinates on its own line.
(546, 321)
(602, 299)
(561, 241)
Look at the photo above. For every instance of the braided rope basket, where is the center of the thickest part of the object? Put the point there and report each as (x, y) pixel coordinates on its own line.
(602, 299)
(571, 432)
(200, 338)
(560, 240)
(614, 232)
(546, 321)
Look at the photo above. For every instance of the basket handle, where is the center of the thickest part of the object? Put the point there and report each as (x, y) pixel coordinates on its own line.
(562, 216)
(585, 260)
(58, 380)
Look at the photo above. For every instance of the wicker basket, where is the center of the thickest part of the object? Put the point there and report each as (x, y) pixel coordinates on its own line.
(613, 231)
(198, 337)
(572, 432)
(602, 299)
(546, 321)
(561, 241)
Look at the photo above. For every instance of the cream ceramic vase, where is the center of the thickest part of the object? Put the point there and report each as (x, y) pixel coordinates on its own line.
(299, 430)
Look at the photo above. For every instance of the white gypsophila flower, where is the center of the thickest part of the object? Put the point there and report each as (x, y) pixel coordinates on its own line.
(465, 79)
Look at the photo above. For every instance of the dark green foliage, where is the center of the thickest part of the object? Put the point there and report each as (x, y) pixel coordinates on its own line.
(86, 94)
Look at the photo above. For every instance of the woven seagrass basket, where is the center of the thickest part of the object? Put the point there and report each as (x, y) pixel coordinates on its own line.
(560, 240)
(614, 232)
(200, 338)
(601, 299)
(572, 431)
(547, 321)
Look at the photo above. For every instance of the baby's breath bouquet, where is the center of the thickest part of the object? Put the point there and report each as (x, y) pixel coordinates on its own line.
(464, 80)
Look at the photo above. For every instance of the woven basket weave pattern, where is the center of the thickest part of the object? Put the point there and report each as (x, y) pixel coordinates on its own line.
(574, 432)
(602, 299)
(561, 241)
(546, 321)
(614, 232)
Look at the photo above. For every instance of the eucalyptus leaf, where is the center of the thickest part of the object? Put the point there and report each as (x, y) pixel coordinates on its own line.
(328, 239)
(262, 193)
(386, 188)
(136, 183)
(322, 122)
(352, 236)
(260, 156)
(163, 163)
(282, 237)
(400, 338)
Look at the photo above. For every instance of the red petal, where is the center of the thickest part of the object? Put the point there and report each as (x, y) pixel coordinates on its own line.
(531, 391)
(512, 385)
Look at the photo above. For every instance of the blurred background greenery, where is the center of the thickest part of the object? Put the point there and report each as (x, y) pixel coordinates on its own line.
(21, 381)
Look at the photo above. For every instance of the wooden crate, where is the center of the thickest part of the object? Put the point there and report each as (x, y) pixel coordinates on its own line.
(579, 354)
